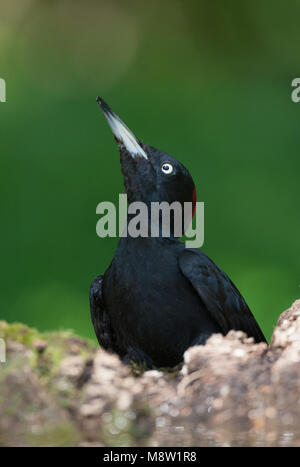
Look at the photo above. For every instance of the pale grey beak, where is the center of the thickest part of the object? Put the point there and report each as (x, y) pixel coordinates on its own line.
(121, 131)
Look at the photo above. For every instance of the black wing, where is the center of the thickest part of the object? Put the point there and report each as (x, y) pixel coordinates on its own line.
(218, 293)
(100, 318)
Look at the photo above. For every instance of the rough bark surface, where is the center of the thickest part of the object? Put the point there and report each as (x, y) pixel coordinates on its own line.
(58, 389)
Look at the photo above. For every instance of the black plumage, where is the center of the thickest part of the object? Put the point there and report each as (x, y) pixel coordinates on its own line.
(157, 298)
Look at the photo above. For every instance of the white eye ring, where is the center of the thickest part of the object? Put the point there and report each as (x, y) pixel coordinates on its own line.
(167, 168)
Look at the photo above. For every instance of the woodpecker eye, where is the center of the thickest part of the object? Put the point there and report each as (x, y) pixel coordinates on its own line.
(167, 168)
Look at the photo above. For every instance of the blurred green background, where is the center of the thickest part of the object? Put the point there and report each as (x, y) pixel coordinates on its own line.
(208, 82)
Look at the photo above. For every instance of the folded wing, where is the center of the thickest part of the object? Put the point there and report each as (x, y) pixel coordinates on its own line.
(219, 295)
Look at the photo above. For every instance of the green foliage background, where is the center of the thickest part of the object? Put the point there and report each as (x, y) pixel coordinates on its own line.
(209, 82)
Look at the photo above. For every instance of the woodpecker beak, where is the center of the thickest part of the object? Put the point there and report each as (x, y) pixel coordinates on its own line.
(121, 132)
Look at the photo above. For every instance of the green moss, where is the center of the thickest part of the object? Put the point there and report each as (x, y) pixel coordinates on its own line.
(46, 358)
(63, 434)
(23, 334)
(18, 332)
(138, 369)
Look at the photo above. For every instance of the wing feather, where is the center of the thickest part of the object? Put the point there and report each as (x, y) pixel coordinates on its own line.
(100, 317)
(218, 293)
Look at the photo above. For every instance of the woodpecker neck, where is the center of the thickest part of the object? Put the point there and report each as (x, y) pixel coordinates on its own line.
(158, 219)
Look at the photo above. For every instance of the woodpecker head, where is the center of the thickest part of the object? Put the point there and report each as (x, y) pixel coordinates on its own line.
(149, 174)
